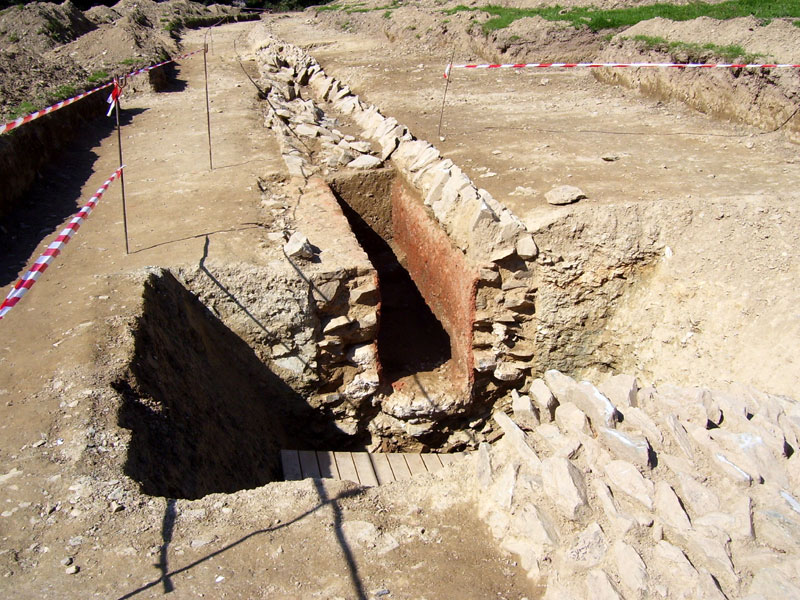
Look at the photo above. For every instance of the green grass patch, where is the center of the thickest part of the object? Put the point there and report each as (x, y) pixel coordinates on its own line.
(696, 51)
(97, 76)
(131, 61)
(597, 19)
(21, 109)
(359, 7)
(62, 92)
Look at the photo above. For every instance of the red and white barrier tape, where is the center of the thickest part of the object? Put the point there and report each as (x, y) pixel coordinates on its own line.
(624, 66)
(45, 111)
(54, 249)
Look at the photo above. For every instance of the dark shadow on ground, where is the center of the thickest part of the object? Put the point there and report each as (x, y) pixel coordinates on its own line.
(54, 197)
(206, 414)
(324, 501)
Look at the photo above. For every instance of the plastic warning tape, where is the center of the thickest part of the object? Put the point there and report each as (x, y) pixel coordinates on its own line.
(45, 111)
(54, 249)
(624, 66)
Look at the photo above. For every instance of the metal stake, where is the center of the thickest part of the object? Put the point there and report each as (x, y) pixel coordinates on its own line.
(208, 105)
(122, 172)
(448, 74)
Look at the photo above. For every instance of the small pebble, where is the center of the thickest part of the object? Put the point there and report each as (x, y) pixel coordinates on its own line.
(72, 569)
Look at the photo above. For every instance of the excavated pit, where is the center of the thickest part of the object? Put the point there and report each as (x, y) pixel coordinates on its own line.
(206, 414)
(410, 337)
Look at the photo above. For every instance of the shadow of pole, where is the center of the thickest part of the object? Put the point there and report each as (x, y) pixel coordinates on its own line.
(167, 527)
(252, 534)
(233, 298)
(352, 567)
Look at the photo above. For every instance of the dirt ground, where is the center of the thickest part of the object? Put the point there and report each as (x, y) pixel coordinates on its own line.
(63, 496)
(721, 307)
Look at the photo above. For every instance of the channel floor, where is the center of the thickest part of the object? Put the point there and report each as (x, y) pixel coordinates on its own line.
(365, 468)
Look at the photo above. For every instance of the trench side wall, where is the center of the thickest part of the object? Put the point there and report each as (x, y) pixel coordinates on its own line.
(444, 277)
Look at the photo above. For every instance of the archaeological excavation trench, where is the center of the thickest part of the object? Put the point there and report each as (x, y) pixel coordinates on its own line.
(410, 305)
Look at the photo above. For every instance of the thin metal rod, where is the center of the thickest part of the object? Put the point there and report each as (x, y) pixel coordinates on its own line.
(208, 106)
(446, 85)
(122, 181)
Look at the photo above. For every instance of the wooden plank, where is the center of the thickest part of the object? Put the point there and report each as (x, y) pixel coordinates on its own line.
(383, 470)
(432, 462)
(327, 465)
(399, 467)
(308, 463)
(347, 469)
(449, 459)
(366, 474)
(415, 464)
(291, 465)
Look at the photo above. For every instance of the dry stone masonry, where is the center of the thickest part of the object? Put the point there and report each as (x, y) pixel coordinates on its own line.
(647, 493)
(471, 258)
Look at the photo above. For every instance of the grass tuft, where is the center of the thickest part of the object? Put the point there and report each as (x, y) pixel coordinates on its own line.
(729, 53)
(597, 19)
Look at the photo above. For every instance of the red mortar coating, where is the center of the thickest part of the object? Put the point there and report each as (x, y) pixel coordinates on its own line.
(442, 274)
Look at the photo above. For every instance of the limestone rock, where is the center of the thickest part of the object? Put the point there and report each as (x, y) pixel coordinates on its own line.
(621, 390)
(365, 162)
(565, 486)
(571, 419)
(771, 584)
(518, 441)
(524, 415)
(599, 586)
(589, 549)
(564, 194)
(526, 248)
(543, 399)
(624, 446)
(298, 246)
(631, 569)
(624, 477)
(621, 522)
(585, 396)
(669, 509)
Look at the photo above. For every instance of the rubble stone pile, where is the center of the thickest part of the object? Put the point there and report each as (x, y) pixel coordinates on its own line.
(612, 491)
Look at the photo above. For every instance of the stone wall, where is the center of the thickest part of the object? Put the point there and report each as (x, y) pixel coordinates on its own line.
(495, 252)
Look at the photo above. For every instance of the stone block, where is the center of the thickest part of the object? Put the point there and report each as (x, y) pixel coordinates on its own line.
(710, 546)
(625, 478)
(599, 586)
(543, 399)
(778, 529)
(621, 522)
(589, 549)
(524, 414)
(561, 445)
(636, 418)
(680, 435)
(483, 465)
(621, 390)
(564, 485)
(669, 508)
(698, 496)
(770, 583)
(585, 396)
(435, 192)
(625, 446)
(631, 569)
(365, 162)
(526, 247)
(571, 419)
(518, 441)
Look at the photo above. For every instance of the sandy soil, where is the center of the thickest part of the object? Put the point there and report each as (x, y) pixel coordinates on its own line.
(722, 191)
(63, 496)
